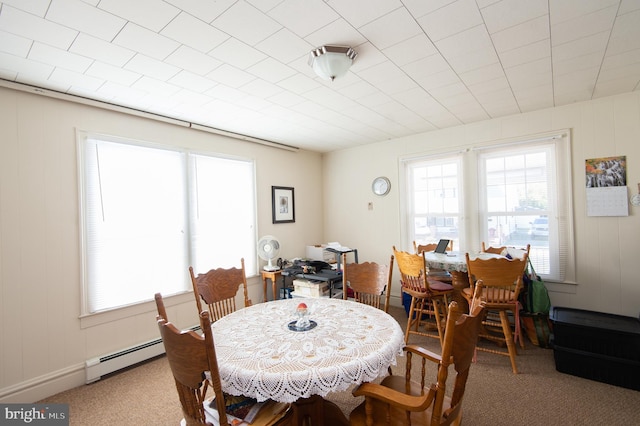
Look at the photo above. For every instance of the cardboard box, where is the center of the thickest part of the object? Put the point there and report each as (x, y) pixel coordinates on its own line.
(308, 288)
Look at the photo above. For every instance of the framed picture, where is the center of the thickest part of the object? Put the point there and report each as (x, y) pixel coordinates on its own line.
(282, 204)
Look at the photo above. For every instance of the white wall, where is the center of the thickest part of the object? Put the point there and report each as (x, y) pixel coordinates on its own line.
(43, 343)
(606, 248)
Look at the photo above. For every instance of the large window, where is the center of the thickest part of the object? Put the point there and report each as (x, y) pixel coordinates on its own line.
(149, 213)
(517, 194)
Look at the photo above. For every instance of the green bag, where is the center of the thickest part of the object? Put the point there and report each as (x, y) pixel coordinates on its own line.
(536, 297)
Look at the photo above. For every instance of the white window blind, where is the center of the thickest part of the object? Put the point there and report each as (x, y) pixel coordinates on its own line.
(142, 227)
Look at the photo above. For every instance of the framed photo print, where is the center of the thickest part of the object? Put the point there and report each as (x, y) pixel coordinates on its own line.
(282, 204)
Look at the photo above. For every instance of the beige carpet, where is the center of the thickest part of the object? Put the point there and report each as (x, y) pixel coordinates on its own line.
(539, 395)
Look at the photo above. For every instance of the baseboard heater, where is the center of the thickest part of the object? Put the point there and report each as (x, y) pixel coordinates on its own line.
(97, 367)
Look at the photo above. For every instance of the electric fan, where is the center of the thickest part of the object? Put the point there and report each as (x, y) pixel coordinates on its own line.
(268, 249)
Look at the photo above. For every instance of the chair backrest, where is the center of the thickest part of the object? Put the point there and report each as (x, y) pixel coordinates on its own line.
(218, 289)
(369, 282)
(162, 312)
(413, 272)
(501, 277)
(193, 363)
(513, 251)
(419, 248)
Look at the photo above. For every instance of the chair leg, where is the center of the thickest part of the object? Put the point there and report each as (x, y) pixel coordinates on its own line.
(518, 331)
(511, 346)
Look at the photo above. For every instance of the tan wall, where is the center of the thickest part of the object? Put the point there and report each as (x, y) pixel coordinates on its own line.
(43, 343)
(606, 247)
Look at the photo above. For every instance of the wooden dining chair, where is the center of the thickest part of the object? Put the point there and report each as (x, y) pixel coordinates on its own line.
(429, 298)
(502, 281)
(507, 250)
(369, 281)
(162, 311)
(399, 400)
(218, 289)
(437, 274)
(193, 363)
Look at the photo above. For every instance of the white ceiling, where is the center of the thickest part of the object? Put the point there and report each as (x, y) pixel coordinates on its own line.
(242, 65)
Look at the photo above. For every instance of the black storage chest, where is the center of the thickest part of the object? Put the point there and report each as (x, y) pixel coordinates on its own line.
(597, 346)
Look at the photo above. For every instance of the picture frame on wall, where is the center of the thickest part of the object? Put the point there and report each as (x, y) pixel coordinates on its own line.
(283, 204)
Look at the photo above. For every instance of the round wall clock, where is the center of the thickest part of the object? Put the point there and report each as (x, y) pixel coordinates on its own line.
(381, 186)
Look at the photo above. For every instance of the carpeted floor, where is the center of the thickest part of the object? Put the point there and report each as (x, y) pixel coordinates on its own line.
(146, 394)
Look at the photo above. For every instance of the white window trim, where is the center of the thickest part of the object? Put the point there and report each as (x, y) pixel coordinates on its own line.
(470, 216)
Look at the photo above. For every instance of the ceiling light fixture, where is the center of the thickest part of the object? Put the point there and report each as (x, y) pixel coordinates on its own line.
(330, 62)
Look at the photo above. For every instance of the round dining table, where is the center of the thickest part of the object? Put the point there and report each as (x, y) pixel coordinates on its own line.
(261, 354)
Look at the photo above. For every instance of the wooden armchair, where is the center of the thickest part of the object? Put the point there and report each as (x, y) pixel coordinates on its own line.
(502, 281)
(437, 274)
(401, 400)
(428, 297)
(218, 289)
(192, 359)
(369, 281)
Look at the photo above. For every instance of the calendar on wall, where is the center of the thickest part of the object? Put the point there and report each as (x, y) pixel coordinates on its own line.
(606, 181)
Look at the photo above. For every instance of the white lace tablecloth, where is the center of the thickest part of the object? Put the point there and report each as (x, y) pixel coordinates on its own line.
(259, 357)
(454, 261)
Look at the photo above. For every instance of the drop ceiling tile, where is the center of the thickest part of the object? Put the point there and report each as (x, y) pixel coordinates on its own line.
(521, 35)
(225, 93)
(139, 12)
(85, 18)
(420, 8)
(489, 73)
(26, 25)
(192, 32)
(192, 60)
(286, 99)
(35, 70)
(410, 50)
(388, 78)
(529, 75)
(338, 32)
(246, 23)
(594, 43)
(100, 50)
(298, 84)
(113, 74)
(625, 35)
(236, 53)
(6, 74)
(368, 56)
(261, 89)
(583, 25)
(121, 92)
(146, 42)
(284, 46)
(567, 10)
(59, 58)
(478, 51)
(191, 81)
(205, 10)
(34, 7)
(151, 67)
(525, 54)
(156, 87)
(14, 45)
(391, 28)
(451, 19)
(75, 79)
(230, 76)
(571, 65)
(358, 90)
(612, 87)
(303, 17)
(358, 15)
(271, 70)
(506, 14)
(627, 6)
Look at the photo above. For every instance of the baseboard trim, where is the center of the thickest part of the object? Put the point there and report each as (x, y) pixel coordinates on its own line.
(44, 386)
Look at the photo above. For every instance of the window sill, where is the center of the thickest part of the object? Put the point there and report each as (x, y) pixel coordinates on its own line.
(92, 320)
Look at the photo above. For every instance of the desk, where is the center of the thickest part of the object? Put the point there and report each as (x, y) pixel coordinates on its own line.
(273, 276)
(456, 263)
(260, 357)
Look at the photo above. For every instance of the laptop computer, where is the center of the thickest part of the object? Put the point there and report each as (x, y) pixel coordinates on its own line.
(442, 246)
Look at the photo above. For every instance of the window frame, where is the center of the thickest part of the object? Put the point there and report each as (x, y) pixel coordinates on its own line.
(474, 232)
(189, 156)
